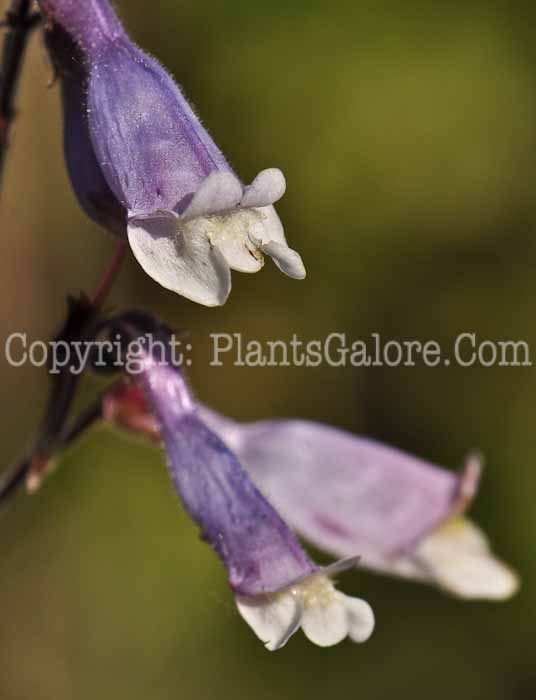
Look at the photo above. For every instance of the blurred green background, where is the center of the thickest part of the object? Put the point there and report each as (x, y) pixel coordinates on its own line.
(407, 132)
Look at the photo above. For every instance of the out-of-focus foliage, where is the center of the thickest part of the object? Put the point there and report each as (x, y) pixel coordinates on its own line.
(407, 132)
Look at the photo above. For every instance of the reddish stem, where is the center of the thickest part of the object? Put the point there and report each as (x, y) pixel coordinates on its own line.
(110, 274)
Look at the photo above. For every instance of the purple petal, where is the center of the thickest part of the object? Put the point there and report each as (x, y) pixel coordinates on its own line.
(345, 494)
(151, 147)
(348, 495)
(93, 24)
(91, 189)
(260, 552)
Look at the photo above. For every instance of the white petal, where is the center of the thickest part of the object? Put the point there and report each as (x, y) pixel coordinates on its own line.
(186, 264)
(240, 256)
(272, 227)
(338, 567)
(360, 618)
(274, 619)
(234, 233)
(268, 187)
(459, 558)
(325, 622)
(286, 259)
(325, 615)
(219, 192)
(156, 214)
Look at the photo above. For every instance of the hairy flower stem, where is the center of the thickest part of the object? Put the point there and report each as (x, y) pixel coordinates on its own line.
(19, 22)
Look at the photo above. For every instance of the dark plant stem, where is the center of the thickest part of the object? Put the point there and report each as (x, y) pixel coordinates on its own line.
(110, 274)
(15, 478)
(54, 434)
(19, 22)
(81, 325)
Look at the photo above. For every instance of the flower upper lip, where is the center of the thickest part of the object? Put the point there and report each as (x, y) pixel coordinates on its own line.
(221, 192)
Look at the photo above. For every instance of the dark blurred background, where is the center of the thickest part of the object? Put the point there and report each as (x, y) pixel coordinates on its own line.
(407, 132)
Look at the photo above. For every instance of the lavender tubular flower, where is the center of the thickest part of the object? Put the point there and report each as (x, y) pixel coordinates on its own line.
(349, 494)
(278, 588)
(188, 217)
(89, 184)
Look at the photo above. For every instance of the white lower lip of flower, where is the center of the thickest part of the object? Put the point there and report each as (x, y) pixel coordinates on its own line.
(192, 254)
(190, 265)
(314, 604)
(458, 557)
(235, 234)
(243, 236)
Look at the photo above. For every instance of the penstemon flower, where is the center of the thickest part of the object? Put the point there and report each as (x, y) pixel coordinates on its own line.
(347, 494)
(278, 588)
(141, 162)
(242, 483)
(143, 166)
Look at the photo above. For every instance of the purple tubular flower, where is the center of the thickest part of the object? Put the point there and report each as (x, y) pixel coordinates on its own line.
(259, 551)
(89, 184)
(278, 587)
(348, 494)
(90, 23)
(90, 187)
(188, 217)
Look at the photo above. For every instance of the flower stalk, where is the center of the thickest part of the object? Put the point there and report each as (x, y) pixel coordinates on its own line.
(19, 22)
